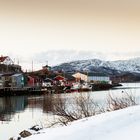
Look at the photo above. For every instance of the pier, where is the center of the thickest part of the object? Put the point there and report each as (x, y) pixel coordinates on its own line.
(12, 91)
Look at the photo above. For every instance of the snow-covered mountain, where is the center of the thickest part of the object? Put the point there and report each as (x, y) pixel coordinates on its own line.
(96, 65)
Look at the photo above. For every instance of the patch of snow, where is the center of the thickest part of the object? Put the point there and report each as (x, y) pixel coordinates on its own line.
(117, 125)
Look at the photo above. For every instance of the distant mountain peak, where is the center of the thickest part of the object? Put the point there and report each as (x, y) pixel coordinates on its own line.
(97, 65)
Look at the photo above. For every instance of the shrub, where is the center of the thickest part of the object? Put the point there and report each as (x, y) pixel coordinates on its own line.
(116, 103)
(78, 108)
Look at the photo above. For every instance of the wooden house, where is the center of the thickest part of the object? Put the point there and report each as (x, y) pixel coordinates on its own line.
(47, 82)
(6, 80)
(1, 81)
(30, 81)
(59, 80)
(6, 60)
(18, 80)
(33, 80)
(69, 79)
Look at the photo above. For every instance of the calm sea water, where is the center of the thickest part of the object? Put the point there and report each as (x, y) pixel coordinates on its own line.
(22, 112)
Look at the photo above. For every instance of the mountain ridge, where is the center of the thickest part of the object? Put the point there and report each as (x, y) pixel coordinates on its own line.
(109, 67)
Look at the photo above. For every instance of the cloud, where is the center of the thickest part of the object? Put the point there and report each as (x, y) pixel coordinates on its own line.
(55, 57)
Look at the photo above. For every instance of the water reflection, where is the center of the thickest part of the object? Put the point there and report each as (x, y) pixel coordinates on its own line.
(11, 105)
(44, 102)
(48, 104)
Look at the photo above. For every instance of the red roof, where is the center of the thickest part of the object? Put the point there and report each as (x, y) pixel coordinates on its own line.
(59, 77)
(2, 58)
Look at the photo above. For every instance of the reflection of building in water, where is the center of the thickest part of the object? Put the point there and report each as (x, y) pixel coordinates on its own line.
(10, 105)
(51, 101)
(48, 104)
(45, 103)
(35, 102)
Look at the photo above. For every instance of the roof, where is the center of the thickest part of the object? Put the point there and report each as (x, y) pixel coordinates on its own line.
(1, 74)
(59, 77)
(2, 58)
(33, 76)
(97, 74)
(94, 74)
(7, 74)
(51, 76)
(17, 74)
(48, 80)
(69, 77)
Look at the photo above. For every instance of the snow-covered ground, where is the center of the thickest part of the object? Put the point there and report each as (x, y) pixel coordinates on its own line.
(117, 125)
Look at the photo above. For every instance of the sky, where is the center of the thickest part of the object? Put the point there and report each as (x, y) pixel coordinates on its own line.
(55, 31)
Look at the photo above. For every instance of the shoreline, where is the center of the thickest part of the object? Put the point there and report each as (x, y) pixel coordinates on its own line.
(100, 125)
(8, 91)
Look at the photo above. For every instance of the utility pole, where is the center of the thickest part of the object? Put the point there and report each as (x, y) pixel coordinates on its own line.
(32, 66)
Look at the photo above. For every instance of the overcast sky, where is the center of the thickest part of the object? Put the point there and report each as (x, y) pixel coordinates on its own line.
(64, 30)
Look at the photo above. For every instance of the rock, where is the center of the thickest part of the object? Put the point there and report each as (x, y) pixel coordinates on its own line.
(25, 134)
(15, 138)
(19, 138)
(36, 128)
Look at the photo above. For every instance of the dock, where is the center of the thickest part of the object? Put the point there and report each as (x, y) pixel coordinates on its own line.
(15, 91)
(12, 91)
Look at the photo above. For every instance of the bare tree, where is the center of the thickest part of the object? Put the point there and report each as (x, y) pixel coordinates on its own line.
(84, 105)
(80, 107)
(116, 103)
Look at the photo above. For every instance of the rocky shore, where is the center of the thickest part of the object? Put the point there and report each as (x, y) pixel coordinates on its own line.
(26, 133)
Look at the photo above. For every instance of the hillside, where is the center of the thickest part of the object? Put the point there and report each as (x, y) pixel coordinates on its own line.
(131, 65)
(123, 70)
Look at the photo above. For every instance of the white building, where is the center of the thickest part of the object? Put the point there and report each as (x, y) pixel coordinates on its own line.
(92, 77)
(6, 60)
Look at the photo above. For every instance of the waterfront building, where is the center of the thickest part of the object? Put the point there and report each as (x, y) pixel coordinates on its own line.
(92, 77)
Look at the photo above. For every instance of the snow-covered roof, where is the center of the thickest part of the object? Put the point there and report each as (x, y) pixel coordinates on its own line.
(17, 74)
(2, 58)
